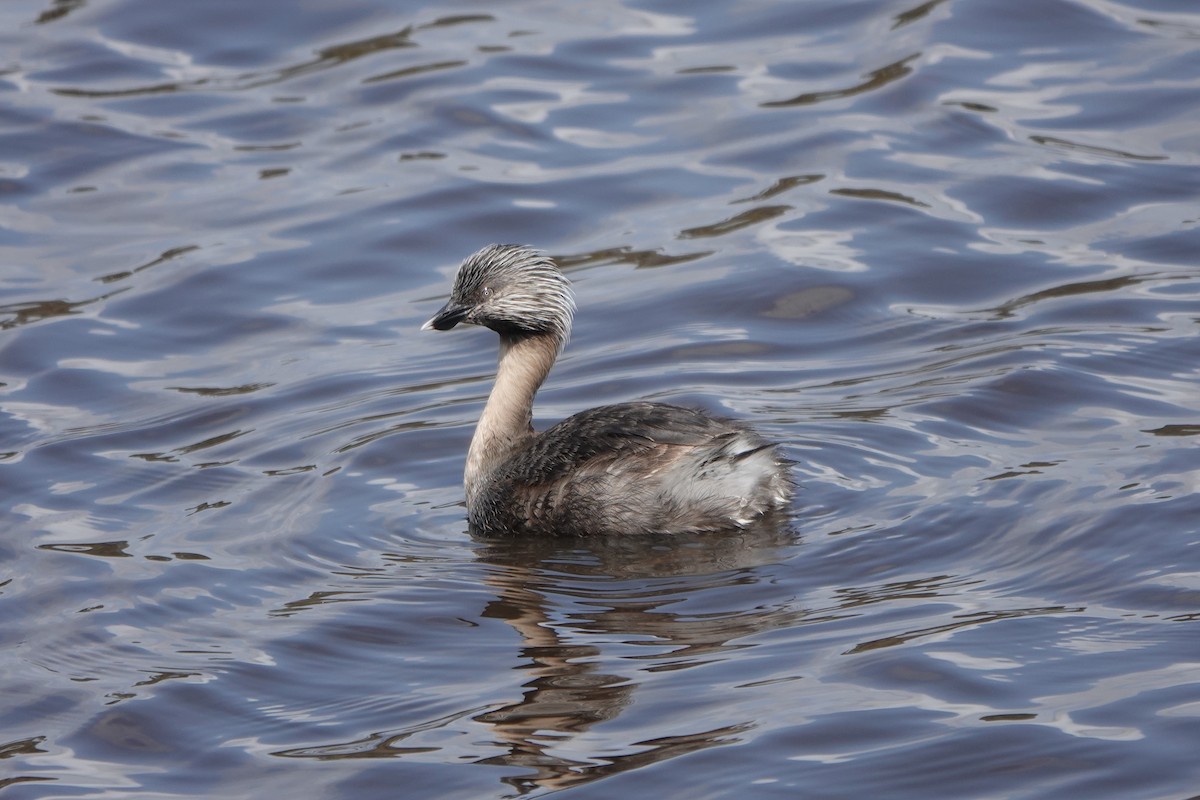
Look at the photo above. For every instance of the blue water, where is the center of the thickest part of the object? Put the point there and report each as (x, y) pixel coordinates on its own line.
(948, 253)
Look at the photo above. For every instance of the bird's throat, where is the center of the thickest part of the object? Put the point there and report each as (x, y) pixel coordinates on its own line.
(506, 422)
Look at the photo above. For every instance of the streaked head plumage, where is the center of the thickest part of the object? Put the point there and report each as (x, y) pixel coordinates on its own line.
(512, 289)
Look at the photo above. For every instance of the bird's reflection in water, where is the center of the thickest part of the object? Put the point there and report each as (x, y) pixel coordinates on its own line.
(592, 616)
(597, 620)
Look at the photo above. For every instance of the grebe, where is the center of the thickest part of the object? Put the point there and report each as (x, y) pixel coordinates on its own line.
(611, 470)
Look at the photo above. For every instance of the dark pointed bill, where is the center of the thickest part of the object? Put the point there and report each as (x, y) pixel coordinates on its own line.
(450, 315)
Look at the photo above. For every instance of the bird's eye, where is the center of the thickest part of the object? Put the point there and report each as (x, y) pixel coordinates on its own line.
(486, 292)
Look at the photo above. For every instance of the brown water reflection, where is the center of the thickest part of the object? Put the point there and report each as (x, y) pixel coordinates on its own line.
(565, 599)
(597, 621)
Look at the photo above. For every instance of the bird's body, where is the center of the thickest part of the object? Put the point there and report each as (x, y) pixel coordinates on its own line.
(611, 470)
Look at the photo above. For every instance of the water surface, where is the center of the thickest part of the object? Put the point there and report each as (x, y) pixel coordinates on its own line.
(946, 252)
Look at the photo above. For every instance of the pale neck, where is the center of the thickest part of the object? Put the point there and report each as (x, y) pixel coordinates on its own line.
(507, 418)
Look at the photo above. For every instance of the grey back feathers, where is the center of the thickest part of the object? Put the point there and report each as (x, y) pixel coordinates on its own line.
(626, 468)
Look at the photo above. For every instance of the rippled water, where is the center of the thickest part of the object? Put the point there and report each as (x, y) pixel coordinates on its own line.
(946, 251)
